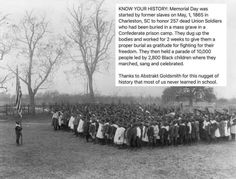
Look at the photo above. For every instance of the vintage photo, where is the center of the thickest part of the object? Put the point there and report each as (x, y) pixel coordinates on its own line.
(117, 89)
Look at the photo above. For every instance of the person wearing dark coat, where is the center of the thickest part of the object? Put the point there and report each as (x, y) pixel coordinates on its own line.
(176, 134)
(86, 129)
(76, 123)
(182, 133)
(18, 130)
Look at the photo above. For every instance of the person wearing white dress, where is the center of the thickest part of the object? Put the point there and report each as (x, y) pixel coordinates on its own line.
(139, 134)
(156, 132)
(99, 134)
(217, 131)
(119, 136)
(60, 120)
(71, 124)
(80, 128)
(227, 129)
(144, 135)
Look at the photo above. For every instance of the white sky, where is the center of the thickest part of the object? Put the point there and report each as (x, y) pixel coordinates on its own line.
(56, 12)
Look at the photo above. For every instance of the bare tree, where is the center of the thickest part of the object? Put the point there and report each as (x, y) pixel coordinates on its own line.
(188, 93)
(40, 54)
(5, 47)
(92, 35)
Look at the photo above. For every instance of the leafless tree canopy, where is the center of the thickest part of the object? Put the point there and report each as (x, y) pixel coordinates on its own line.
(92, 35)
(5, 47)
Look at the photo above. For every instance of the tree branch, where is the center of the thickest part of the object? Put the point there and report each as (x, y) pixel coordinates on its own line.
(14, 72)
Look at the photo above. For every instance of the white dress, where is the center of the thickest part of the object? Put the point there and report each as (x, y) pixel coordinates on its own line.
(80, 128)
(99, 133)
(70, 124)
(139, 132)
(60, 120)
(156, 131)
(217, 132)
(233, 127)
(227, 129)
(145, 136)
(119, 136)
(190, 127)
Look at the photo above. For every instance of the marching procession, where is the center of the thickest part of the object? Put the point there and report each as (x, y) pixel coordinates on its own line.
(126, 125)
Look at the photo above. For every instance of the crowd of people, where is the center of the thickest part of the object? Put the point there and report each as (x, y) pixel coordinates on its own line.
(133, 125)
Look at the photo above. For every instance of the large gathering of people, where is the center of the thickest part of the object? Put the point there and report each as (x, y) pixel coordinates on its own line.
(133, 125)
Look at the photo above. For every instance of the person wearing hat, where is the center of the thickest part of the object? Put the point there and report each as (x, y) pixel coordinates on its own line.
(18, 130)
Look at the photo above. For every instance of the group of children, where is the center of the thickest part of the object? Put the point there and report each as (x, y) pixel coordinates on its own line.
(136, 126)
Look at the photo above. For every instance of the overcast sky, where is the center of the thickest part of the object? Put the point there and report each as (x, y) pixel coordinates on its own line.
(57, 12)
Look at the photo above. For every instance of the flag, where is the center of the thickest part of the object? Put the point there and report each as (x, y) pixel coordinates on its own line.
(18, 95)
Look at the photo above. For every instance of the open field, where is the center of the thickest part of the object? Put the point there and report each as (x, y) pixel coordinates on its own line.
(49, 154)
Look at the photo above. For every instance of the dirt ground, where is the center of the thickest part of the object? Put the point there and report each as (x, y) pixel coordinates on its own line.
(49, 154)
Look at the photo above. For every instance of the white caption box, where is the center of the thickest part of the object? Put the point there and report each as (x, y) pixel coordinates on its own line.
(171, 45)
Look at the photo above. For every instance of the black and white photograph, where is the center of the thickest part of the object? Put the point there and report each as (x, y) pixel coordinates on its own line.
(107, 89)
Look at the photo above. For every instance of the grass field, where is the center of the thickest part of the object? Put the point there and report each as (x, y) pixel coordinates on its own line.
(49, 154)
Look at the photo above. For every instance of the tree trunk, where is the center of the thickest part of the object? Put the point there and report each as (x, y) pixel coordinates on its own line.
(32, 104)
(90, 82)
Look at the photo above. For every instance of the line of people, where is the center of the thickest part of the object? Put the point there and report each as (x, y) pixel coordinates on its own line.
(135, 126)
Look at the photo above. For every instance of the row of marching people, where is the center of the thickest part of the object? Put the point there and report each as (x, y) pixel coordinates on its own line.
(163, 131)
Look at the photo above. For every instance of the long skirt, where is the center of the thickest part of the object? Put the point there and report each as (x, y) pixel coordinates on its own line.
(119, 136)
